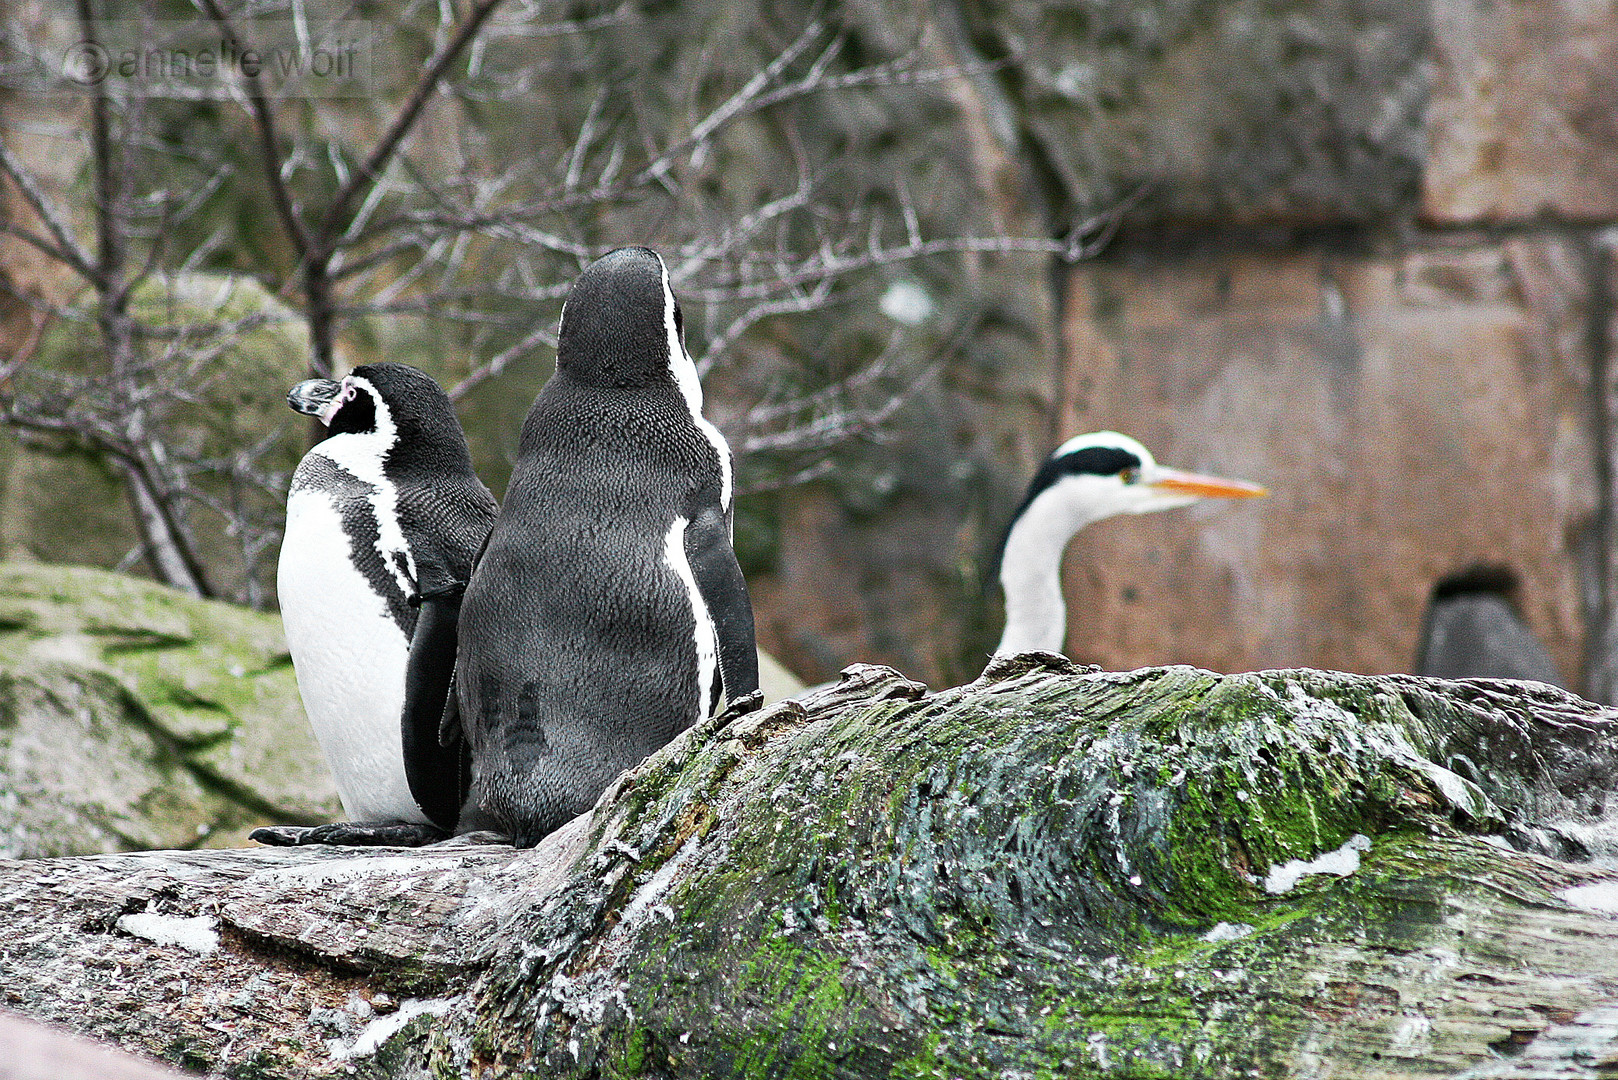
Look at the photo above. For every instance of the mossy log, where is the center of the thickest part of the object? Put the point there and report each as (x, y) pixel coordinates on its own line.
(1048, 872)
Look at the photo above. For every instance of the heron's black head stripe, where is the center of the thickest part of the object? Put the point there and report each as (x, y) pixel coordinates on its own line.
(1087, 460)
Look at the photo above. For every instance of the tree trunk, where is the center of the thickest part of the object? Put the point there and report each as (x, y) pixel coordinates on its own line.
(167, 550)
(1048, 872)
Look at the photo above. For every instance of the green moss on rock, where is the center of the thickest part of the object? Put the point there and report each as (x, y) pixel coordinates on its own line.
(135, 716)
(1047, 872)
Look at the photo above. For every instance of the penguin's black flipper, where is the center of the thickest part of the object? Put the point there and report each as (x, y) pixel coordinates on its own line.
(448, 732)
(439, 775)
(449, 725)
(724, 590)
(350, 834)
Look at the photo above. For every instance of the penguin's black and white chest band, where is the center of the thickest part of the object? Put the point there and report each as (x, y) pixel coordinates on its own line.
(360, 511)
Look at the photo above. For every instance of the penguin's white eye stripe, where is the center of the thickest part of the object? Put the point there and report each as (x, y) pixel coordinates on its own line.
(362, 453)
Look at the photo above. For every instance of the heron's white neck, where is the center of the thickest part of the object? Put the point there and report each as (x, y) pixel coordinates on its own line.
(1031, 565)
(1036, 616)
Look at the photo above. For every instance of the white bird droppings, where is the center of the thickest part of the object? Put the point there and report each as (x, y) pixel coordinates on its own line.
(198, 934)
(1602, 896)
(1342, 862)
(1411, 1031)
(380, 1030)
(344, 871)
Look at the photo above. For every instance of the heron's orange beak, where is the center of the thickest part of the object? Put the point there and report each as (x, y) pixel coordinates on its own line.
(1208, 487)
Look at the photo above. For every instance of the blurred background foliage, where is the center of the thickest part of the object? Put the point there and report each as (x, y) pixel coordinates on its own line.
(801, 169)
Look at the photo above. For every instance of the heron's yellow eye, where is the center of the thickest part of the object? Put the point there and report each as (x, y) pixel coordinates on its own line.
(1129, 475)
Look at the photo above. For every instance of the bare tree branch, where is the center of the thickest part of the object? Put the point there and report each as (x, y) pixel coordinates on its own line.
(482, 252)
(62, 246)
(498, 363)
(834, 412)
(735, 105)
(269, 139)
(24, 354)
(335, 220)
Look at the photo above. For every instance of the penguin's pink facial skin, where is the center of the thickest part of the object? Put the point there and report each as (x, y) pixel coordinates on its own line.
(343, 396)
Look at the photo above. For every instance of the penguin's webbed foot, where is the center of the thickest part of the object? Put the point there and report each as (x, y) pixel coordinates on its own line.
(350, 834)
(750, 702)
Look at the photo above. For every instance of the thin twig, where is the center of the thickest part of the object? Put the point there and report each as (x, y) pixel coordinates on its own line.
(269, 139)
(65, 248)
(335, 221)
(494, 366)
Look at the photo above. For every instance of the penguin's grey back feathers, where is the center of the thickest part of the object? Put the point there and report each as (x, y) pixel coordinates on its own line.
(588, 637)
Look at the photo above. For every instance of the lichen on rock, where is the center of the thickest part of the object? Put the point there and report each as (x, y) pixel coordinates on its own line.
(1022, 875)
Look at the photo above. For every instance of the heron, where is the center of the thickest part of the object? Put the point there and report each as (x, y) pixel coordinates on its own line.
(1088, 478)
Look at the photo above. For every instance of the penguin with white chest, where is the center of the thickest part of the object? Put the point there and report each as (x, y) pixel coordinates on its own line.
(384, 519)
(607, 613)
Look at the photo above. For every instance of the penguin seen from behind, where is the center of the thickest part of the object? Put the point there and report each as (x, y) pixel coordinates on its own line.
(384, 519)
(607, 612)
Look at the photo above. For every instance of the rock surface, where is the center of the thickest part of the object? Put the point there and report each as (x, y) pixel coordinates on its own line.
(1520, 121)
(1050, 871)
(132, 716)
(1433, 408)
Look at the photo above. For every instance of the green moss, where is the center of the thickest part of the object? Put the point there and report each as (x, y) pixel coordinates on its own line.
(1181, 1006)
(195, 702)
(809, 994)
(927, 1063)
(634, 1061)
(1014, 878)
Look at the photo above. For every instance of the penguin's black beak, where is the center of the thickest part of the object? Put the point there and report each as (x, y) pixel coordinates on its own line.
(314, 397)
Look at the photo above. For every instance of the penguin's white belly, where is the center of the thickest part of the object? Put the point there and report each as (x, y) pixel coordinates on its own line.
(350, 659)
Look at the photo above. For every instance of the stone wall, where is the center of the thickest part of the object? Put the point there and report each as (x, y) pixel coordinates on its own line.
(1414, 413)
(1368, 268)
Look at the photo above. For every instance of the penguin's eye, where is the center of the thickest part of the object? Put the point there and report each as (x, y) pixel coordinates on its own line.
(1129, 475)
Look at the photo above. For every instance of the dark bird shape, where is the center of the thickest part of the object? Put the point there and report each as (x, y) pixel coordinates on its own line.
(1473, 630)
